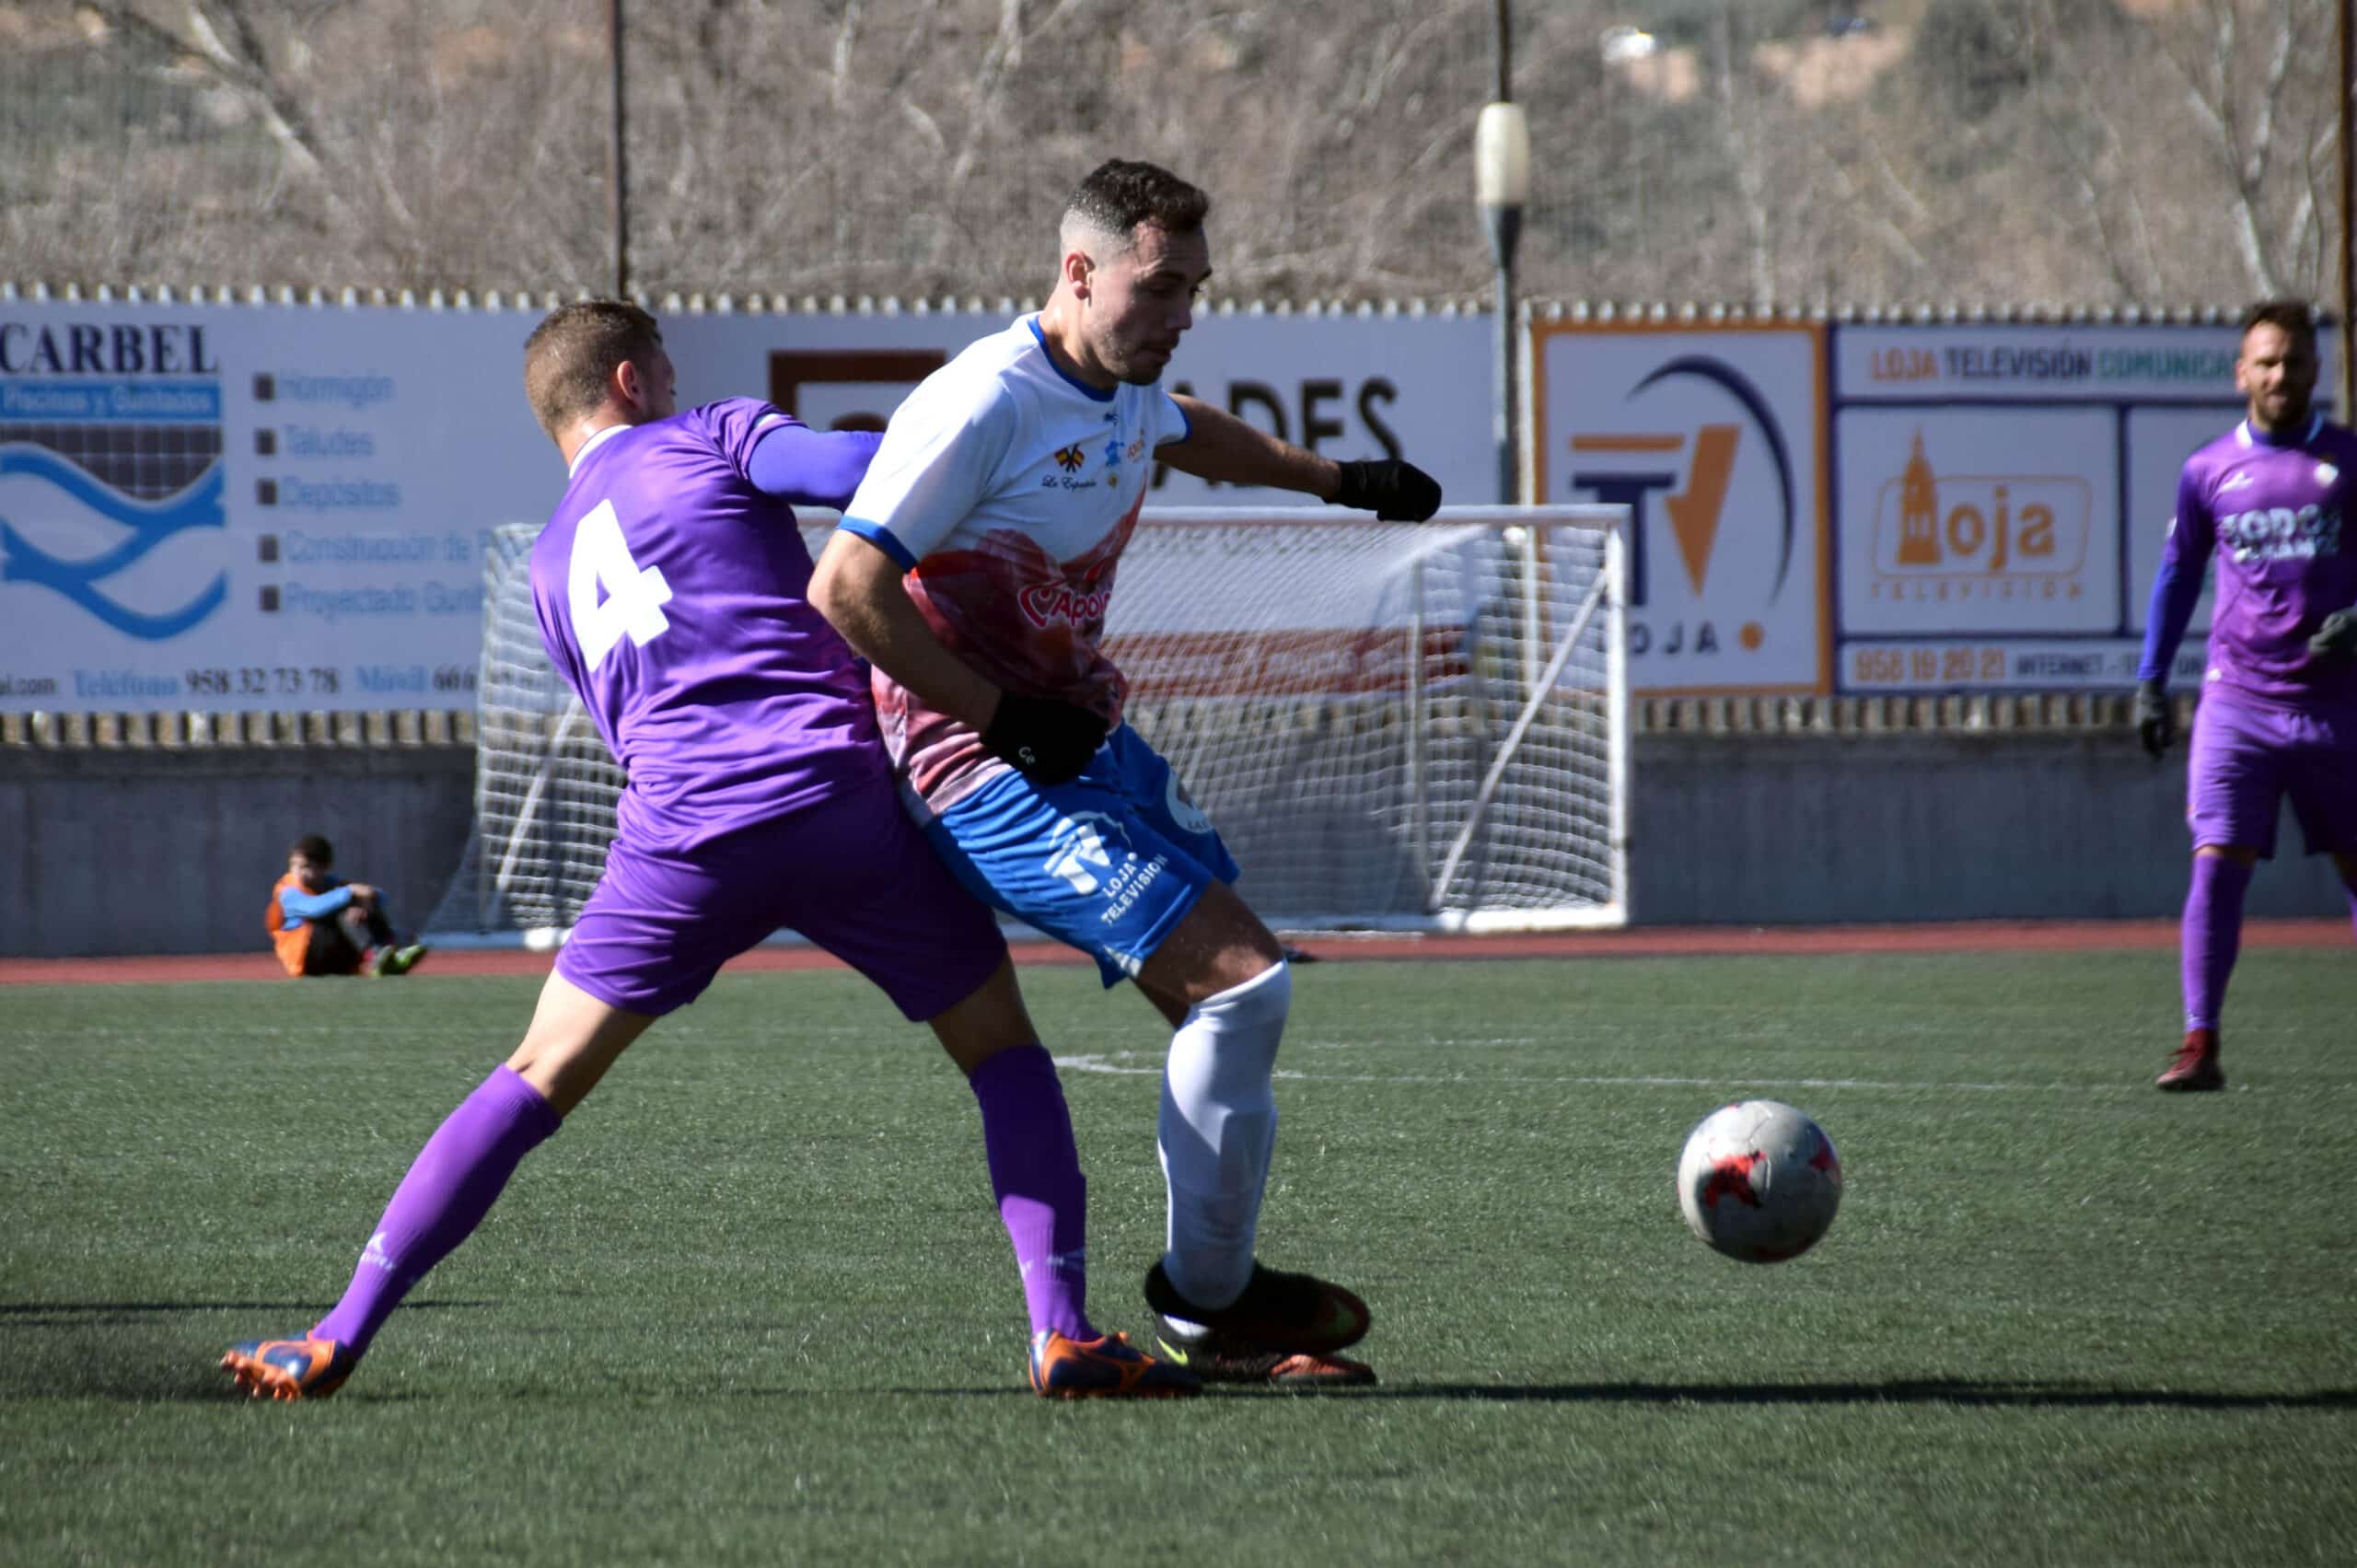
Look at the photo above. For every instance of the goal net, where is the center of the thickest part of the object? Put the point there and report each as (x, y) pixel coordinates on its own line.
(1394, 725)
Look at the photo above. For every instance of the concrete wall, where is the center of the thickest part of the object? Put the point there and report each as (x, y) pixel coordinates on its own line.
(1804, 829)
(173, 849)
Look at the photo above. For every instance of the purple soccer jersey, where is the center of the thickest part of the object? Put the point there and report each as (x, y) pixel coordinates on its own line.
(2271, 510)
(671, 589)
(671, 594)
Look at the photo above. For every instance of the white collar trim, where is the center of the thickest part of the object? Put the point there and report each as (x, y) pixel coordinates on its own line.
(2316, 428)
(585, 448)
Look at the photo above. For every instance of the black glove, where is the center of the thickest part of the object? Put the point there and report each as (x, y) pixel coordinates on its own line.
(2155, 718)
(1049, 739)
(1394, 489)
(2337, 638)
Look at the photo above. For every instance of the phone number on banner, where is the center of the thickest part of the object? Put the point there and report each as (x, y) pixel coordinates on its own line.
(2023, 666)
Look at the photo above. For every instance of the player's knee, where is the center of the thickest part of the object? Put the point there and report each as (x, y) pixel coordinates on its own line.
(1264, 999)
(2241, 854)
(1244, 1026)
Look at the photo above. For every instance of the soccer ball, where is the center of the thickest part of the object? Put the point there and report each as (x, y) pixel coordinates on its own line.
(1758, 1181)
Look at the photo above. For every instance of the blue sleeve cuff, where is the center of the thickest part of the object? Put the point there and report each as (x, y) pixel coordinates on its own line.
(881, 537)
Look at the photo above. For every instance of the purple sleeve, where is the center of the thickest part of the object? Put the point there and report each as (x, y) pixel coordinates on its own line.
(313, 906)
(2176, 586)
(811, 468)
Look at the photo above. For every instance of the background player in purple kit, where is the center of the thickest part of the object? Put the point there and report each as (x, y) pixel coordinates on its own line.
(671, 589)
(2277, 712)
(973, 567)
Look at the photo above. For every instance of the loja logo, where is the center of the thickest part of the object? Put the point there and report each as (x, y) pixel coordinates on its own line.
(1966, 538)
(1693, 472)
(1044, 604)
(1077, 850)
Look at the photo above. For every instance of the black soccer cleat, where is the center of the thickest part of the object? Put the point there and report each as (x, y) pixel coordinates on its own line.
(1277, 1314)
(1215, 1358)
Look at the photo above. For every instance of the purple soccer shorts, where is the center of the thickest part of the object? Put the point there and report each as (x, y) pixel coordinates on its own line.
(2247, 755)
(853, 875)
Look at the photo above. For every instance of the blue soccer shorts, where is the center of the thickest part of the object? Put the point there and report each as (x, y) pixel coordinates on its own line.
(1110, 863)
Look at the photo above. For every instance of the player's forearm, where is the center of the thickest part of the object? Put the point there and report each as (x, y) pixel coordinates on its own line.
(2176, 590)
(857, 588)
(1219, 446)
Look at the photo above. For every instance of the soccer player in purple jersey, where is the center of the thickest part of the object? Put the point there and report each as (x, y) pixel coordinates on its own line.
(2277, 712)
(671, 589)
(973, 568)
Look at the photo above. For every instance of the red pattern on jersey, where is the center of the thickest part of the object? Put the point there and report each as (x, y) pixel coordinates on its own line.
(1025, 622)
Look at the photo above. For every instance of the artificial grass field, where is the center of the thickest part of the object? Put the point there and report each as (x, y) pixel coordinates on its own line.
(753, 1305)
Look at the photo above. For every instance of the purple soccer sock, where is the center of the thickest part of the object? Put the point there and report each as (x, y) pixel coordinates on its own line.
(1035, 1173)
(451, 1186)
(2210, 935)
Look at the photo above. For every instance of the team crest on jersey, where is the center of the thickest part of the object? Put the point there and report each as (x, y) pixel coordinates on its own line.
(1069, 458)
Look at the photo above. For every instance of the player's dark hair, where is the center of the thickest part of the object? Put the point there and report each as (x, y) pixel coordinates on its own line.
(2292, 316)
(1119, 194)
(315, 848)
(570, 355)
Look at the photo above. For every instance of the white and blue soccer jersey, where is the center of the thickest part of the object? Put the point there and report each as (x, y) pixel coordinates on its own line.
(1007, 490)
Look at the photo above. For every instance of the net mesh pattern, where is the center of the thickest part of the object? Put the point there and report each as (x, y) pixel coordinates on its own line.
(1390, 724)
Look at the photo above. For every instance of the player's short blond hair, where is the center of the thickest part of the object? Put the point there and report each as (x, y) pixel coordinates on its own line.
(571, 357)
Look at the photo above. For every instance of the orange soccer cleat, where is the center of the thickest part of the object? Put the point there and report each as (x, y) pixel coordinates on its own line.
(289, 1369)
(1107, 1367)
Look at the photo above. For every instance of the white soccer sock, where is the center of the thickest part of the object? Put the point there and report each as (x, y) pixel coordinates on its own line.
(1219, 1125)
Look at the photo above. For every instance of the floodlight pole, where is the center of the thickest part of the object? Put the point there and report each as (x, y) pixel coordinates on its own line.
(617, 162)
(1501, 184)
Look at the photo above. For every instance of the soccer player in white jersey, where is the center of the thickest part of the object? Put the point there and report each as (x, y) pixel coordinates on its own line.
(973, 569)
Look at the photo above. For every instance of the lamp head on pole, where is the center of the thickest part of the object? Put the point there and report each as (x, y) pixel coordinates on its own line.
(1501, 156)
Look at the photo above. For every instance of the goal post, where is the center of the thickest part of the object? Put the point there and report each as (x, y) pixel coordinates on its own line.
(1396, 726)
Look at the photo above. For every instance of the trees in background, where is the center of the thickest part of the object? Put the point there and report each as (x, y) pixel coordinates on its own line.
(2077, 152)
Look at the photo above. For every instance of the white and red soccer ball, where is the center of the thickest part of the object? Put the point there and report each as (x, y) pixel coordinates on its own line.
(1758, 1181)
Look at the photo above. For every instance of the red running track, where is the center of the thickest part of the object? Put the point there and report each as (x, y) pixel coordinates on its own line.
(1967, 937)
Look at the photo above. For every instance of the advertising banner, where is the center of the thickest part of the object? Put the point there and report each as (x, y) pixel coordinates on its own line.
(226, 507)
(1231, 603)
(1715, 440)
(2003, 493)
(221, 508)
(1343, 385)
